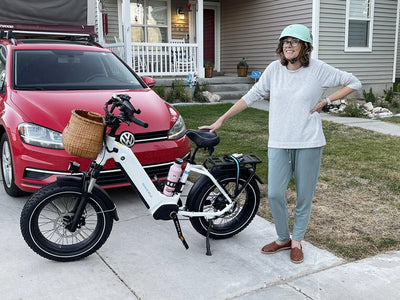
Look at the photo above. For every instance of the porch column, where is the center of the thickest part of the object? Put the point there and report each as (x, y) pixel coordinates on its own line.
(126, 28)
(99, 23)
(199, 37)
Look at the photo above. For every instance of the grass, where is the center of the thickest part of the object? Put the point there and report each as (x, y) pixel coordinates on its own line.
(395, 120)
(356, 208)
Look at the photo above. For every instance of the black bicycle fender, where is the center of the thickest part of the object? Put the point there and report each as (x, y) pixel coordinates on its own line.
(97, 190)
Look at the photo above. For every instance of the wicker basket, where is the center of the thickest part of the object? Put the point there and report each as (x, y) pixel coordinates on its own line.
(83, 135)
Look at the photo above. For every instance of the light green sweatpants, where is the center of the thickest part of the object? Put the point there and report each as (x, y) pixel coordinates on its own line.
(282, 164)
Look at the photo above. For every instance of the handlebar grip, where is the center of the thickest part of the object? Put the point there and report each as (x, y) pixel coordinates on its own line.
(139, 122)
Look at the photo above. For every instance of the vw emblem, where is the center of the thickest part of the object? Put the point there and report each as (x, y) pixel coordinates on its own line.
(127, 138)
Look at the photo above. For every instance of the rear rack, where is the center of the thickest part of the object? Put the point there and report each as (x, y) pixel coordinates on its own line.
(228, 161)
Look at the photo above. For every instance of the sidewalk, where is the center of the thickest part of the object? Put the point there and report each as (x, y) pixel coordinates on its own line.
(374, 125)
(144, 259)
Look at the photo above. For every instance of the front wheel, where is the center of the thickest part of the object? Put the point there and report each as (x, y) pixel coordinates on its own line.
(47, 213)
(207, 197)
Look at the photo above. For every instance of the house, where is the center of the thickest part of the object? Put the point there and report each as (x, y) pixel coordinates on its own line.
(176, 37)
(359, 36)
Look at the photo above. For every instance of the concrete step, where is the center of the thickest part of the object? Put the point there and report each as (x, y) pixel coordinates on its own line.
(216, 88)
(228, 87)
(231, 95)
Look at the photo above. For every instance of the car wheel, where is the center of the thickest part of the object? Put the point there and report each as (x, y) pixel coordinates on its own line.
(7, 169)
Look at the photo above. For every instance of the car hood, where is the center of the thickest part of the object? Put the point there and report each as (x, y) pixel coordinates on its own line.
(52, 109)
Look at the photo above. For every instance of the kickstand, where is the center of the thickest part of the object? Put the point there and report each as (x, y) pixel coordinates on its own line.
(210, 224)
(178, 229)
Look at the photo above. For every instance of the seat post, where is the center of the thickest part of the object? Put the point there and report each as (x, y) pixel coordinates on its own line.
(191, 159)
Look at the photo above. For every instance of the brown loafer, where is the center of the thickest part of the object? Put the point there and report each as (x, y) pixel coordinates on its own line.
(274, 247)
(296, 255)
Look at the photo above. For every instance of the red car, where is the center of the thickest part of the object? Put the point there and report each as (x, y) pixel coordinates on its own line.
(42, 81)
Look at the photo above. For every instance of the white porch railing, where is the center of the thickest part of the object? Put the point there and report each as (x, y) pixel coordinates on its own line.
(160, 59)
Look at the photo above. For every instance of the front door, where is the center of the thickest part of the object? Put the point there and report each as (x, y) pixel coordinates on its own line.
(209, 35)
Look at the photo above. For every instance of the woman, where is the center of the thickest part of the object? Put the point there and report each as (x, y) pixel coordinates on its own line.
(294, 85)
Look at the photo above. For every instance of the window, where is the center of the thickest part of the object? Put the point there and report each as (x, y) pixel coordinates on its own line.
(149, 21)
(62, 70)
(3, 57)
(359, 24)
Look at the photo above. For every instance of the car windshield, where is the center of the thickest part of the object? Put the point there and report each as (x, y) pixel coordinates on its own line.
(71, 70)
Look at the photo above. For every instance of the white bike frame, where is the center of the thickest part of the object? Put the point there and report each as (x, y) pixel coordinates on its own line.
(127, 160)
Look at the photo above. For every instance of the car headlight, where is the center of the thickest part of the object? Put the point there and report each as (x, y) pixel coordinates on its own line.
(36, 135)
(178, 130)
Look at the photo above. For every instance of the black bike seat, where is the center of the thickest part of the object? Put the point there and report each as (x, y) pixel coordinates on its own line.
(203, 137)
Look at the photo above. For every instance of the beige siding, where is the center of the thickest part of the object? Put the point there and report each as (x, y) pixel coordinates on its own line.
(251, 29)
(374, 67)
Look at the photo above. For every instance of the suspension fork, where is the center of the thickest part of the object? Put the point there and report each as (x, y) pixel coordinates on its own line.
(88, 180)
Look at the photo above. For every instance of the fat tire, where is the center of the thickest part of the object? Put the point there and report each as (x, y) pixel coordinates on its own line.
(230, 224)
(49, 202)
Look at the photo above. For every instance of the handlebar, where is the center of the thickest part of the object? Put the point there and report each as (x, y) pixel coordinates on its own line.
(127, 111)
(139, 122)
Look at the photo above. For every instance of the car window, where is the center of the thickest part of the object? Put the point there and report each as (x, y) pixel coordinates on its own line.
(3, 56)
(70, 70)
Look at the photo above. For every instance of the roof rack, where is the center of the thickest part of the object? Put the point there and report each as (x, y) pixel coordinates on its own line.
(13, 31)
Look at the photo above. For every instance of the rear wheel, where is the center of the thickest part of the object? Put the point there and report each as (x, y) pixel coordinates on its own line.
(45, 218)
(7, 169)
(208, 198)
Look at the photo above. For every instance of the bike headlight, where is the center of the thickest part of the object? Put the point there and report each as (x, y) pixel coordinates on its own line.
(178, 130)
(36, 135)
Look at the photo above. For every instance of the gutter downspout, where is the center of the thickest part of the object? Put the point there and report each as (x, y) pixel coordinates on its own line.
(396, 42)
(315, 27)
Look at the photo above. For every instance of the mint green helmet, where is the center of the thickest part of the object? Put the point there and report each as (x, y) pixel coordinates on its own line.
(298, 31)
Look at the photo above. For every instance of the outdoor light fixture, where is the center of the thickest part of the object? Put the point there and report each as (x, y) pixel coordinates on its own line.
(180, 13)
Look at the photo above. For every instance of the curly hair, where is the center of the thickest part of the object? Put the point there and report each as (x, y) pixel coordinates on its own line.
(304, 56)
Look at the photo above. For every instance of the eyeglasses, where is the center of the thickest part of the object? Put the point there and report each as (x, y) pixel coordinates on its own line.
(293, 42)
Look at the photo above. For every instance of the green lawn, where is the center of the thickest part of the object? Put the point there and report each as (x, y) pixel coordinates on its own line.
(391, 120)
(356, 208)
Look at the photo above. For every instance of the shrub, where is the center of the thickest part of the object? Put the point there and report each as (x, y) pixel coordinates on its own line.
(198, 92)
(369, 97)
(354, 110)
(388, 95)
(177, 92)
(160, 91)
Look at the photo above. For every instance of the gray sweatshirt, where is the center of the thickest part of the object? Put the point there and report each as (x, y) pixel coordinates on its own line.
(292, 95)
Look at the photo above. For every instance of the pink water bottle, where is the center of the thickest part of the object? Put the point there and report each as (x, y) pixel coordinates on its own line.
(174, 173)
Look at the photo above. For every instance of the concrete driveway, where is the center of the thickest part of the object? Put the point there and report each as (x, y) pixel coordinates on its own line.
(143, 259)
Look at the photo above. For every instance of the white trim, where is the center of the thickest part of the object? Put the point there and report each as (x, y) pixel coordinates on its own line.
(316, 10)
(126, 20)
(91, 12)
(396, 42)
(199, 38)
(120, 18)
(100, 36)
(370, 29)
(216, 6)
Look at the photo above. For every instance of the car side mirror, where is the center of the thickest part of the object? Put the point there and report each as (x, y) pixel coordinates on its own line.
(149, 81)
